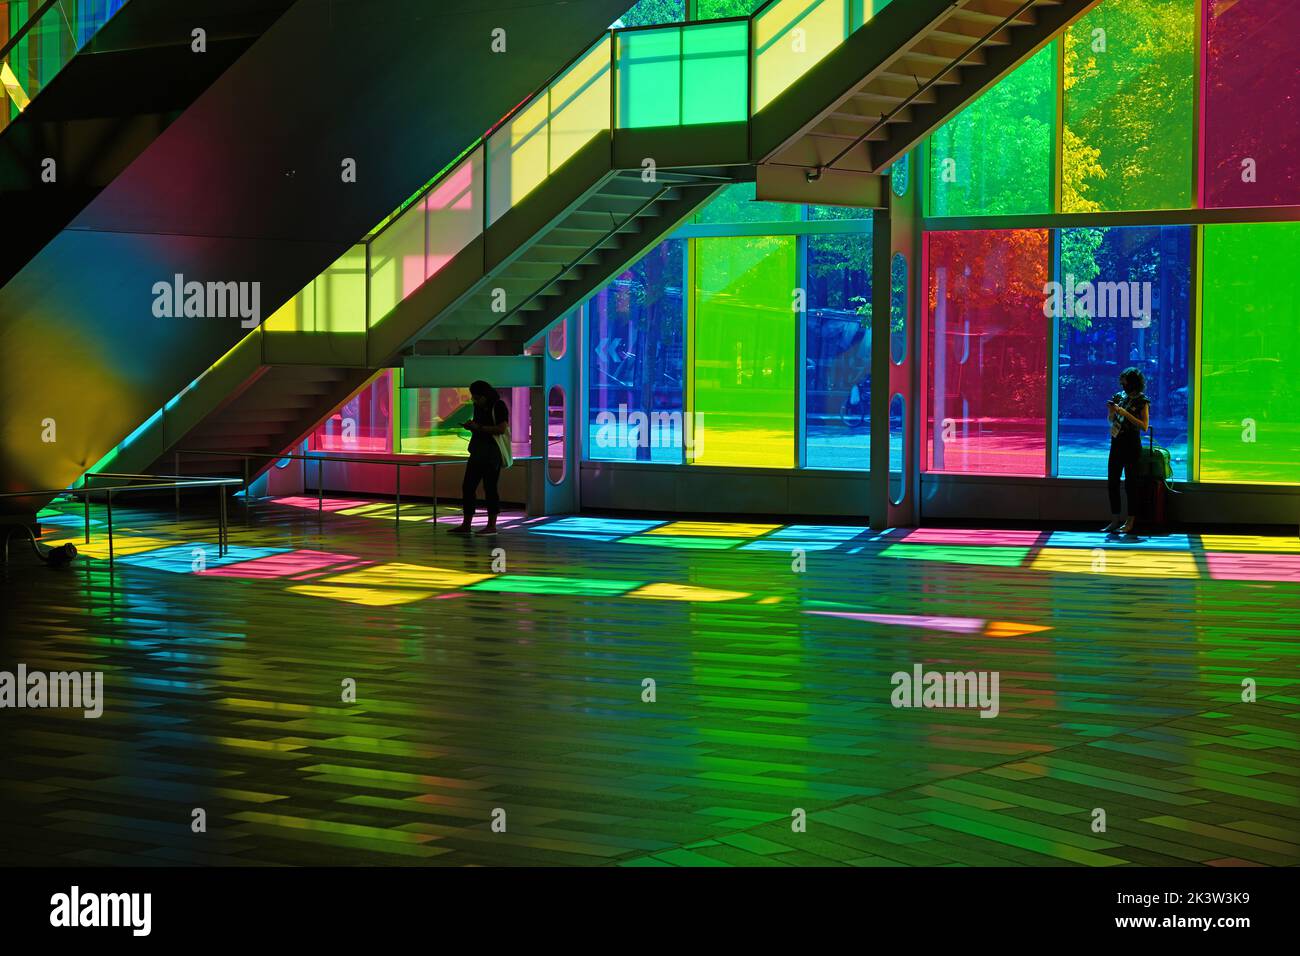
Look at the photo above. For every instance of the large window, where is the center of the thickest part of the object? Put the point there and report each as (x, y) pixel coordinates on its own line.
(837, 329)
(635, 353)
(1250, 354)
(361, 424)
(986, 352)
(744, 341)
(1130, 69)
(431, 421)
(1252, 88)
(1124, 300)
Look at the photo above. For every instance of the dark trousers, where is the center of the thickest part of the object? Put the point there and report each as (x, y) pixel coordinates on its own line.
(485, 469)
(1123, 459)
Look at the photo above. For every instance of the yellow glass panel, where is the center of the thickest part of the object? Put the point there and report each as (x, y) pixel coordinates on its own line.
(791, 37)
(335, 301)
(713, 529)
(1133, 564)
(397, 261)
(684, 592)
(517, 158)
(580, 104)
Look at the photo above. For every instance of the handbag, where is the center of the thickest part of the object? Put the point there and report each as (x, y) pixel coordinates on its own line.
(503, 441)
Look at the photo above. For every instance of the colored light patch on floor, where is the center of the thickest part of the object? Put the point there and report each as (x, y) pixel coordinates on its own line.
(281, 565)
(328, 504)
(370, 597)
(1254, 567)
(399, 575)
(388, 511)
(617, 527)
(1245, 542)
(685, 592)
(1095, 539)
(60, 520)
(806, 537)
(689, 544)
(713, 529)
(959, 554)
(960, 625)
(1135, 564)
(975, 536)
(123, 544)
(540, 584)
(182, 558)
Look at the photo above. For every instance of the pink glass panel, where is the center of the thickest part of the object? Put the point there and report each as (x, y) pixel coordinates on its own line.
(361, 424)
(986, 343)
(1251, 134)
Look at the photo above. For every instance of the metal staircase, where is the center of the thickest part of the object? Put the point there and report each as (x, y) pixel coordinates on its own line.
(826, 137)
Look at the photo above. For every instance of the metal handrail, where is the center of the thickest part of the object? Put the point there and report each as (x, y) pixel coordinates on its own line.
(320, 458)
(85, 492)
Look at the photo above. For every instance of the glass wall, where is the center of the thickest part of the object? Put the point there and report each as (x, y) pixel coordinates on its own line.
(1124, 300)
(636, 328)
(681, 76)
(1250, 354)
(986, 349)
(742, 340)
(837, 335)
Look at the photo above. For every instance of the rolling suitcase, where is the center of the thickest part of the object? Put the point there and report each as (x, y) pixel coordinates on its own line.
(1154, 471)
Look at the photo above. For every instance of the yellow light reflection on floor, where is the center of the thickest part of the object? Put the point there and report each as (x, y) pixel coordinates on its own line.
(386, 509)
(684, 592)
(372, 597)
(398, 575)
(713, 529)
(1247, 542)
(122, 544)
(1134, 564)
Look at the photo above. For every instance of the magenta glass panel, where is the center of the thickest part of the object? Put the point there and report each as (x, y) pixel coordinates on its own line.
(1251, 131)
(986, 341)
(362, 423)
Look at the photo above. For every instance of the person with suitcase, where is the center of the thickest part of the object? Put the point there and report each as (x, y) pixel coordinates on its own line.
(1130, 416)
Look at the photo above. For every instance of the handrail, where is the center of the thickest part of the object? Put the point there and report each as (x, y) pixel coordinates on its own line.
(223, 538)
(320, 459)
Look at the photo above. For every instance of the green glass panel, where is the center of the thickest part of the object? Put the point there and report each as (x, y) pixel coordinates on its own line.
(1127, 142)
(716, 9)
(649, 78)
(745, 362)
(995, 157)
(715, 73)
(1250, 354)
(736, 203)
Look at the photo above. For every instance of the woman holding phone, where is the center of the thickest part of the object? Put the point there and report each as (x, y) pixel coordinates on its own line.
(1130, 415)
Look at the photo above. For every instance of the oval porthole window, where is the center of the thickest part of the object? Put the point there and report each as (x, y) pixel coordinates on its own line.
(898, 308)
(555, 437)
(899, 175)
(897, 449)
(557, 339)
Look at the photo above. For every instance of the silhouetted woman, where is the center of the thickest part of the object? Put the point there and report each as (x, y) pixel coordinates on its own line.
(491, 418)
(1130, 416)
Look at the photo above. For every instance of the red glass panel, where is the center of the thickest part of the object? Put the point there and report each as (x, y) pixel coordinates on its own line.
(986, 352)
(1251, 134)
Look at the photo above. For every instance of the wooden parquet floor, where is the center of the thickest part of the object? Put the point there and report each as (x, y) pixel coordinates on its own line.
(504, 679)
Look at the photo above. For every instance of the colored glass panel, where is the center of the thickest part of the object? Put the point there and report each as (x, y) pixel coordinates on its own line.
(1251, 135)
(517, 157)
(986, 352)
(1250, 354)
(649, 13)
(1130, 68)
(837, 380)
(736, 203)
(580, 104)
(361, 424)
(431, 421)
(793, 36)
(995, 156)
(453, 213)
(683, 75)
(335, 301)
(636, 333)
(743, 337)
(1125, 300)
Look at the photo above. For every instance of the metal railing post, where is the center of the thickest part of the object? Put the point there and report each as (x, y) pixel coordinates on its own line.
(246, 519)
(397, 508)
(320, 487)
(86, 499)
(222, 531)
(176, 470)
(108, 503)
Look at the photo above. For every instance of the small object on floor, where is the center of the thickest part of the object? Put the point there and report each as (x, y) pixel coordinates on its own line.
(459, 529)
